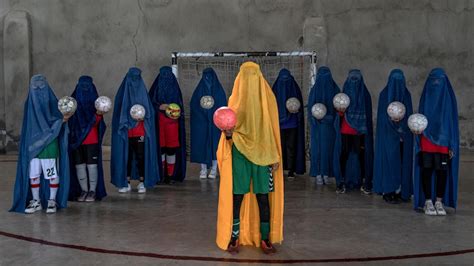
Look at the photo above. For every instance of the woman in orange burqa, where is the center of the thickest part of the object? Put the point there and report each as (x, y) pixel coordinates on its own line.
(250, 208)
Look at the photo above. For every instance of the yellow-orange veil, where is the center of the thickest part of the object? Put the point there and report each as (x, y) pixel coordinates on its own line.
(257, 136)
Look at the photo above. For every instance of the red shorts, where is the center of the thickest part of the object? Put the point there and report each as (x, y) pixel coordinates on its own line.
(169, 131)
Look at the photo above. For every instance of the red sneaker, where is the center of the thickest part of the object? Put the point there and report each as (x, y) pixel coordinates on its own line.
(233, 247)
(267, 247)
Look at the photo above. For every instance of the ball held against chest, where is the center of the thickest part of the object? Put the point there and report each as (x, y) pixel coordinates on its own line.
(207, 102)
(417, 123)
(67, 105)
(396, 111)
(137, 112)
(103, 104)
(341, 101)
(318, 111)
(293, 105)
(173, 111)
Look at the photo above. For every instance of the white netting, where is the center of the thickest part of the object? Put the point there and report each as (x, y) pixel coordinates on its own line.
(190, 72)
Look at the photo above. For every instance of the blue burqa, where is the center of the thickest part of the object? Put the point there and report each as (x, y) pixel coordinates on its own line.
(438, 104)
(322, 131)
(359, 117)
(392, 169)
(204, 134)
(42, 123)
(285, 87)
(132, 91)
(165, 90)
(80, 125)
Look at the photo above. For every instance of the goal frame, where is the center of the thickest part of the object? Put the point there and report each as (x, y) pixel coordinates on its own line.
(313, 58)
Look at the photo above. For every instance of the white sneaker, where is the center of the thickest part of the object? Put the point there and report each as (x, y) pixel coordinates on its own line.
(213, 174)
(34, 206)
(141, 188)
(203, 174)
(326, 180)
(125, 189)
(51, 206)
(439, 208)
(429, 208)
(319, 180)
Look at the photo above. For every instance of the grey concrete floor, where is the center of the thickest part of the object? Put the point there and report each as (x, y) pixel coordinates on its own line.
(181, 220)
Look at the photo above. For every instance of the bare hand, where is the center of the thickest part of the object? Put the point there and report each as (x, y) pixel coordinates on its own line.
(228, 132)
(275, 166)
(451, 154)
(342, 110)
(417, 132)
(164, 106)
(67, 116)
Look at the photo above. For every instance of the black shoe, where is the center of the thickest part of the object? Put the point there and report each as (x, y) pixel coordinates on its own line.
(341, 188)
(365, 190)
(390, 198)
(166, 180)
(398, 197)
(233, 246)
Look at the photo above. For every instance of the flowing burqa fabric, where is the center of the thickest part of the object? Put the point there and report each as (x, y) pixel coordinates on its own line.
(438, 104)
(392, 169)
(257, 137)
(80, 125)
(42, 123)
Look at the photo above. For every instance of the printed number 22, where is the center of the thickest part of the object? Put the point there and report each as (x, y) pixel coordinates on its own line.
(50, 172)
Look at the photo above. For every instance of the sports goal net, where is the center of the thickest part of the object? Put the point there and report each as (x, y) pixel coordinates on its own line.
(188, 68)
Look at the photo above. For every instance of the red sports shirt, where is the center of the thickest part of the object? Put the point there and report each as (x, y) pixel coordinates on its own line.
(93, 136)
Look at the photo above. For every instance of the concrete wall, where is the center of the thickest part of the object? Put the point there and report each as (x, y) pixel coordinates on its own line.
(103, 38)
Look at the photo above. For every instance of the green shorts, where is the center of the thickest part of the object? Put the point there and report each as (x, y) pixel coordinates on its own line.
(243, 171)
(51, 151)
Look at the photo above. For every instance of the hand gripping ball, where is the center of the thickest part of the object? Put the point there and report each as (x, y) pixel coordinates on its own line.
(318, 111)
(137, 112)
(67, 105)
(225, 118)
(173, 111)
(103, 104)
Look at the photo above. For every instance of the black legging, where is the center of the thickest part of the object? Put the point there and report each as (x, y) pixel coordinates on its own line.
(288, 146)
(441, 177)
(168, 151)
(263, 206)
(352, 143)
(136, 147)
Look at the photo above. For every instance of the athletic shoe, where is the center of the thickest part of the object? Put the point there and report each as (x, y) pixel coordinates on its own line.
(267, 247)
(51, 206)
(439, 208)
(390, 198)
(90, 196)
(212, 174)
(429, 208)
(327, 181)
(83, 196)
(341, 189)
(319, 180)
(365, 190)
(291, 176)
(233, 246)
(141, 188)
(125, 189)
(34, 206)
(203, 174)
